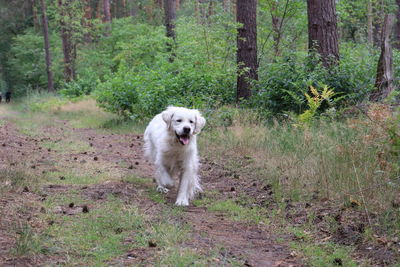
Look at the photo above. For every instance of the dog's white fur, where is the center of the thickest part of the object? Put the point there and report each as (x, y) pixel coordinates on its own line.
(173, 155)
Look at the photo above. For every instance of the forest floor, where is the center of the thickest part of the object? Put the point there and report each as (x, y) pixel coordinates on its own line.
(72, 193)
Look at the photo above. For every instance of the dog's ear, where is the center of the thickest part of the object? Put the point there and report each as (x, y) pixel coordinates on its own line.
(167, 116)
(200, 122)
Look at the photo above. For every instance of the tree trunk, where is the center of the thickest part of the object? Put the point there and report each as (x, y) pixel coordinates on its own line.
(210, 8)
(50, 86)
(246, 47)
(106, 11)
(384, 74)
(322, 30)
(369, 23)
(178, 4)
(226, 5)
(132, 8)
(377, 23)
(87, 21)
(276, 29)
(159, 3)
(170, 16)
(123, 7)
(397, 27)
(35, 15)
(99, 13)
(67, 45)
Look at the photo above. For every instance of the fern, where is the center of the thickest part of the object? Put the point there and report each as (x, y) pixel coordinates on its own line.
(314, 101)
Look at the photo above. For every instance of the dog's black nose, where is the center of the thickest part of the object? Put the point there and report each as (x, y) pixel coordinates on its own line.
(186, 130)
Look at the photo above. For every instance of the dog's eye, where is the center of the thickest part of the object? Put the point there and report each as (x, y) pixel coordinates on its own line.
(191, 121)
(179, 120)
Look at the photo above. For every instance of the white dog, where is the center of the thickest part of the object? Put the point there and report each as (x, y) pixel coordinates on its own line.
(170, 142)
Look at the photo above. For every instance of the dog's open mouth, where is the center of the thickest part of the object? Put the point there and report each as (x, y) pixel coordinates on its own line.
(183, 138)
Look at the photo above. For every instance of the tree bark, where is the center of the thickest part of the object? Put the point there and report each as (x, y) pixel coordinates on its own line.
(384, 74)
(276, 29)
(369, 23)
(322, 30)
(397, 27)
(210, 8)
(35, 15)
(246, 47)
(50, 85)
(132, 8)
(123, 7)
(87, 21)
(67, 45)
(106, 11)
(226, 5)
(170, 16)
(159, 3)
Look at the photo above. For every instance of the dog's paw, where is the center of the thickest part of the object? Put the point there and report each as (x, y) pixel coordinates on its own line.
(162, 189)
(182, 202)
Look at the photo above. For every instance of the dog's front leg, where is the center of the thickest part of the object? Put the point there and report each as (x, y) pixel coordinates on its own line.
(189, 184)
(163, 178)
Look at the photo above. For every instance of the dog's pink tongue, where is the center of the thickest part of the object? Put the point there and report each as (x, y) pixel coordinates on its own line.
(184, 140)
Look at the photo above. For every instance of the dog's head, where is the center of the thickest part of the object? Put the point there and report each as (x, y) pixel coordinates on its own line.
(183, 122)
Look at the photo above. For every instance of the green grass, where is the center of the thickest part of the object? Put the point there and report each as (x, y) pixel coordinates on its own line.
(70, 177)
(13, 179)
(337, 158)
(68, 146)
(138, 180)
(324, 255)
(97, 236)
(27, 241)
(234, 211)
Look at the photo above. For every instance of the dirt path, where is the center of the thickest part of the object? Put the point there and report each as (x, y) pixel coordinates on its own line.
(61, 147)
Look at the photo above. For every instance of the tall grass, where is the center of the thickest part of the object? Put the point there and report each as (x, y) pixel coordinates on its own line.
(338, 160)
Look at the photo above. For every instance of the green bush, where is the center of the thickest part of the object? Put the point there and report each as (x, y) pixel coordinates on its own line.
(283, 84)
(27, 62)
(141, 94)
(146, 82)
(83, 85)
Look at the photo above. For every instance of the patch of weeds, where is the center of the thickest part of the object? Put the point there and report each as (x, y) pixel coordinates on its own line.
(63, 199)
(239, 213)
(225, 258)
(68, 146)
(156, 196)
(73, 179)
(97, 236)
(207, 199)
(163, 234)
(27, 241)
(123, 126)
(137, 180)
(300, 234)
(15, 179)
(181, 257)
(327, 254)
(28, 126)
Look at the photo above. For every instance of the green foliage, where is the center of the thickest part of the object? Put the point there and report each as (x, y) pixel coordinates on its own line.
(314, 102)
(146, 82)
(283, 84)
(28, 64)
(83, 85)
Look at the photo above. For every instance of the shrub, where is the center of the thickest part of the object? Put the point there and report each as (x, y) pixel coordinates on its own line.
(83, 85)
(27, 61)
(146, 82)
(283, 84)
